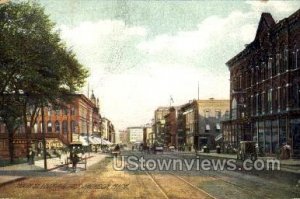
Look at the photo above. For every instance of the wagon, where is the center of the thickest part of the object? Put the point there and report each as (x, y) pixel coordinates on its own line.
(247, 150)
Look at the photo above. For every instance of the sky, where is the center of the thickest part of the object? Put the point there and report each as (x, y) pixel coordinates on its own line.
(139, 53)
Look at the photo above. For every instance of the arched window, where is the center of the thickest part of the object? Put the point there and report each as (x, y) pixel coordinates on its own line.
(73, 126)
(57, 127)
(49, 127)
(64, 126)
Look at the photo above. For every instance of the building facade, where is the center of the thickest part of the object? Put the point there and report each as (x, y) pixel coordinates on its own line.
(135, 134)
(147, 133)
(200, 122)
(159, 124)
(265, 88)
(171, 127)
(63, 125)
(107, 130)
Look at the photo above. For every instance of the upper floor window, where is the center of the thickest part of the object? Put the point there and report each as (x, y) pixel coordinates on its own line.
(207, 114)
(72, 110)
(218, 114)
(286, 58)
(270, 67)
(57, 112)
(269, 100)
(277, 70)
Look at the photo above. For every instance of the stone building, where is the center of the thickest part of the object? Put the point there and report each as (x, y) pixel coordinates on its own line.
(265, 88)
(200, 122)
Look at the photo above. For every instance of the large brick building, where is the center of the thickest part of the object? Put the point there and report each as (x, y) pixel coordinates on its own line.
(63, 125)
(159, 124)
(265, 87)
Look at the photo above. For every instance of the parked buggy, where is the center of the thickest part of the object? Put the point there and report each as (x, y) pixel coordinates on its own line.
(247, 150)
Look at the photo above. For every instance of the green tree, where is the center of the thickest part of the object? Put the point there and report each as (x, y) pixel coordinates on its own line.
(35, 64)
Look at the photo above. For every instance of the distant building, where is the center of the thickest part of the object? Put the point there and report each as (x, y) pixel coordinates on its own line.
(200, 122)
(123, 137)
(171, 127)
(264, 88)
(135, 134)
(107, 130)
(159, 124)
(147, 135)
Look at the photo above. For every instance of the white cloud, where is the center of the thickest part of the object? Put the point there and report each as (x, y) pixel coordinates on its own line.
(133, 73)
(280, 7)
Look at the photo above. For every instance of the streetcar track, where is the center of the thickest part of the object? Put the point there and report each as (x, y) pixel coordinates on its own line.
(182, 180)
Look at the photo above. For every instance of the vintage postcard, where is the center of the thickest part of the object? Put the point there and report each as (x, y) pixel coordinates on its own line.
(149, 99)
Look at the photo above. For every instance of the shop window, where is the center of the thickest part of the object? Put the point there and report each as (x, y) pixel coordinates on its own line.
(64, 126)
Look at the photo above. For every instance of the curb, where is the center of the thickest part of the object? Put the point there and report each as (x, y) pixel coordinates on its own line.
(12, 181)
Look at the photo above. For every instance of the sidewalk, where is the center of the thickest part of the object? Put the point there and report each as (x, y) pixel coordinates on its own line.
(55, 167)
(290, 165)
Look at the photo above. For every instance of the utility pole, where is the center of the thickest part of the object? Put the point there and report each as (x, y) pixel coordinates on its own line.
(44, 138)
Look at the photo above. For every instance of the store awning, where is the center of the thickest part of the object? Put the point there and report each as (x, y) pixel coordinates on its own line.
(83, 140)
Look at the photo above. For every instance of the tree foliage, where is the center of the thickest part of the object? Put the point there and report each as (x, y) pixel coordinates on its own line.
(35, 64)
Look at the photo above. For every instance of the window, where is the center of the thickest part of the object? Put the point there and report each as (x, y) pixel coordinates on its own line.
(65, 127)
(49, 127)
(297, 94)
(297, 58)
(234, 108)
(73, 126)
(286, 58)
(270, 100)
(275, 98)
(278, 56)
(57, 112)
(263, 102)
(207, 128)
(218, 114)
(270, 67)
(66, 111)
(283, 97)
(207, 114)
(72, 110)
(57, 127)
(49, 111)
